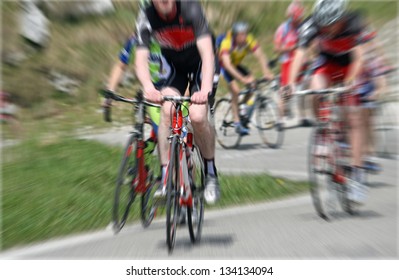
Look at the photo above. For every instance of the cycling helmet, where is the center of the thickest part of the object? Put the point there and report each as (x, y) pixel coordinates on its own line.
(239, 27)
(295, 11)
(327, 12)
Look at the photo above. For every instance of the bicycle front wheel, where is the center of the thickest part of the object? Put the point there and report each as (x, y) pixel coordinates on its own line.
(226, 134)
(172, 195)
(125, 185)
(320, 163)
(196, 211)
(270, 131)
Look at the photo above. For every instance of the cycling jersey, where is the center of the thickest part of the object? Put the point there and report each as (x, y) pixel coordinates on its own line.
(286, 36)
(177, 35)
(237, 53)
(160, 69)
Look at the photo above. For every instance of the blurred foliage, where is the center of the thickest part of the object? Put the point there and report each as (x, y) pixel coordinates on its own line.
(86, 48)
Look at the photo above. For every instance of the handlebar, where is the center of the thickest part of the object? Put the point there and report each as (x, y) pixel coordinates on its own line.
(254, 85)
(120, 98)
(323, 91)
(176, 99)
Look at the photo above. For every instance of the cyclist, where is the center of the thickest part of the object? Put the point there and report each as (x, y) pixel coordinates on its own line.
(370, 84)
(285, 42)
(339, 38)
(183, 33)
(233, 49)
(160, 71)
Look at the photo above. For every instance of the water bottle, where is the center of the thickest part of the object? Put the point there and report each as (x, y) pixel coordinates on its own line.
(184, 131)
(243, 109)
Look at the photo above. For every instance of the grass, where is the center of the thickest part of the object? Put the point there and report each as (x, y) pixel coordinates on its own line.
(60, 187)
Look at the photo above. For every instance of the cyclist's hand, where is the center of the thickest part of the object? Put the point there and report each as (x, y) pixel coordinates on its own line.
(153, 95)
(199, 97)
(269, 76)
(107, 104)
(248, 80)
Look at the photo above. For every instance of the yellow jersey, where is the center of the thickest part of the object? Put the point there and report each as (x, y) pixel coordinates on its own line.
(237, 53)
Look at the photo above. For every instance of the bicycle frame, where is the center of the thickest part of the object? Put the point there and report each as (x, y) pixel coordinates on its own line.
(185, 141)
(256, 98)
(139, 111)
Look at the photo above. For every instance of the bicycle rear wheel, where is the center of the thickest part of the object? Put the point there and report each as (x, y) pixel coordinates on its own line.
(195, 213)
(148, 205)
(172, 194)
(270, 131)
(323, 189)
(125, 185)
(224, 125)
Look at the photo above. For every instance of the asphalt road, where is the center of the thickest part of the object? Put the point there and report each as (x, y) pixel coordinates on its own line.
(284, 229)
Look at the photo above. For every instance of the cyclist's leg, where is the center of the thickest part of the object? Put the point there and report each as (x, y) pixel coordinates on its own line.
(319, 81)
(155, 115)
(176, 86)
(234, 90)
(204, 134)
(284, 78)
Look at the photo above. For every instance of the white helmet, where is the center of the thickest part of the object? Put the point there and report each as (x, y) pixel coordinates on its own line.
(327, 12)
(239, 27)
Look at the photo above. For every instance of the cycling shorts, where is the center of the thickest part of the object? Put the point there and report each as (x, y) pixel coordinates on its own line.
(229, 78)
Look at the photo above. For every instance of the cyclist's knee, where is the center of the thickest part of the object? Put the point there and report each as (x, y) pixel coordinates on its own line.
(319, 81)
(198, 115)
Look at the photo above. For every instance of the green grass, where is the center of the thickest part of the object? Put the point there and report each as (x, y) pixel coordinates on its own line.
(59, 187)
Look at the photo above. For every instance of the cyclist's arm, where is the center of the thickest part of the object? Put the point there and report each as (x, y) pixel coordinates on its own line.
(356, 65)
(299, 60)
(116, 74)
(142, 69)
(226, 60)
(205, 49)
(262, 58)
(307, 35)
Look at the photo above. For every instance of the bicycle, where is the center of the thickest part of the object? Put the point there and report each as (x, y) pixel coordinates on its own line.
(328, 155)
(267, 124)
(136, 174)
(185, 176)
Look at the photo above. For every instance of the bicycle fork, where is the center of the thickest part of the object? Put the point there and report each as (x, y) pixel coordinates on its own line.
(185, 188)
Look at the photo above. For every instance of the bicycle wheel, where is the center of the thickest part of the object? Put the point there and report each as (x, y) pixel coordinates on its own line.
(341, 173)
(125, 185)
(148, 207)
(224, 125)
(270, 131)
(320, 161)
(172, 195)
(195, 213)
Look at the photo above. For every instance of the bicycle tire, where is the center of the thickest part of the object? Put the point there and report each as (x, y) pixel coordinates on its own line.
(270, 131)
(342, 170)
(172, 194)
(148, 207)
(125, 183)
(148, 210)
(322, 187)
(195, 213)
(224, 125)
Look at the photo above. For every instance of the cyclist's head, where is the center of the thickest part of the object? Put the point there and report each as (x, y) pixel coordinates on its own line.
(240, 32)
(165, 7)
(328, 12)
(295, 11)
